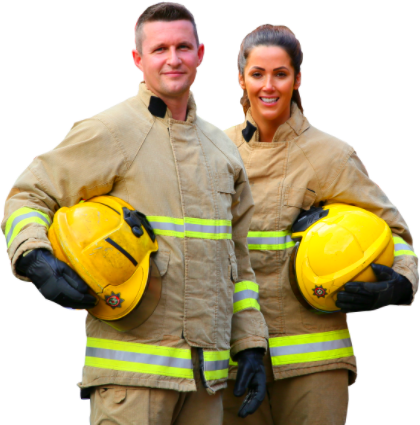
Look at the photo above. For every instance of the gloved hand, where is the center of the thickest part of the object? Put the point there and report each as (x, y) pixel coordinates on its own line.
(251, 375)
(391, 288)
(54, 279)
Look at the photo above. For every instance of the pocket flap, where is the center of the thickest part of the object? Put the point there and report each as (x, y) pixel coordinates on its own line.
(161, 258)
(233, 267)
(299, 197)
(225, 183)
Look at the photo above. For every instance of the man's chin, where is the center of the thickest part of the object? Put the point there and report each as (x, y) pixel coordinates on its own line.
(175, 88)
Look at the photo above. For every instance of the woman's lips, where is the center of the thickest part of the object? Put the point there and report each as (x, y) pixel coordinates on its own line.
(269, 101)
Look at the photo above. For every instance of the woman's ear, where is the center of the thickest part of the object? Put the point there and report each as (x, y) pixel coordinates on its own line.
(297, 81)
(241, 81)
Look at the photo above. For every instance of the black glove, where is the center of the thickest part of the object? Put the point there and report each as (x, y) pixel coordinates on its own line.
(391, 288)
(251, 375)
(54, 279)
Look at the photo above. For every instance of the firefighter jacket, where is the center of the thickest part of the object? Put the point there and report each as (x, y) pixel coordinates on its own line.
(300, 168)
(189, 180)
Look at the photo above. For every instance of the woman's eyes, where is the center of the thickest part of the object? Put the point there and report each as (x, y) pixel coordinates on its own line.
(279, 74)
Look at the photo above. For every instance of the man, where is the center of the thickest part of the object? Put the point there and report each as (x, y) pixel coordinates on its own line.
(153, 152)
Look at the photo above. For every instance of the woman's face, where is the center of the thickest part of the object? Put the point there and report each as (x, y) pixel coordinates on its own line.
(269, 80)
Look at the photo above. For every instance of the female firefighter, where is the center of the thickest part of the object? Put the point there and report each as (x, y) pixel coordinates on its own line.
(292, 166)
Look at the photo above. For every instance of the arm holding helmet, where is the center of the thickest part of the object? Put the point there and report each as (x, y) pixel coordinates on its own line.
(396, 285)
(84, 165)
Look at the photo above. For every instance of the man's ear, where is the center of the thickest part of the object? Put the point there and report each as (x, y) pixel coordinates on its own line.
(200, 53)
(241, 80)
(298, 81)
(137, 59)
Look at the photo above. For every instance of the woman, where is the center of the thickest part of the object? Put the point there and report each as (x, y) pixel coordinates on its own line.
(291, 167)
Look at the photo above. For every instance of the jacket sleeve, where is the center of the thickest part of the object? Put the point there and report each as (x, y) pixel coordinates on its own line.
(353, 186)
(84, 165)
(249, 329)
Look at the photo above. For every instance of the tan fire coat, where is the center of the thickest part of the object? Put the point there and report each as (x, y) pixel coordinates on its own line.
(300, 168)
(189, 179)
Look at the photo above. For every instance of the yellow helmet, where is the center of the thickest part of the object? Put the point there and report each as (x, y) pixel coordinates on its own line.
(336, 244)
(109, 245)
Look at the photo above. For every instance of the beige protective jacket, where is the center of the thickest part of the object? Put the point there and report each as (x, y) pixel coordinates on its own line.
(300, 168)
(189, 179)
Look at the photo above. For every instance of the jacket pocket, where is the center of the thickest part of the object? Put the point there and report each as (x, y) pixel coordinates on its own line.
(299, 197)
(161, 258)
(226, 188)
(233, 268)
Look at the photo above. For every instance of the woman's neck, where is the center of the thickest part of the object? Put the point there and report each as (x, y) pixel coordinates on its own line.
(267, 128)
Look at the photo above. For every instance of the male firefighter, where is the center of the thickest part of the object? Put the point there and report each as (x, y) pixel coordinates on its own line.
(153, 152)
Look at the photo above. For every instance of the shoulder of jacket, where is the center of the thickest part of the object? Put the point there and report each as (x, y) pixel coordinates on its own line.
(218, 138)
(314, 141)
(235, 134)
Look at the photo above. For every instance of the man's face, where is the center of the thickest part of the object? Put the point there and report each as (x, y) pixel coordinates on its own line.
(170, 57)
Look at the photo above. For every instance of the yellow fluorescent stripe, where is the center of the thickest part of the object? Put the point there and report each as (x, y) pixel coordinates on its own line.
(271, 247)
(139, 367)
(312, 357)
(232, 363)
(404, 252)
(207, 222)
(247, 303)
(201, 235)
(173, 233)
(397, 239)
(210, 356)
(133, 347)
(211, 375)
(162, 219)
(268, 234)
(22, 211)
(246, 284)
(308, 338)
(22, 224)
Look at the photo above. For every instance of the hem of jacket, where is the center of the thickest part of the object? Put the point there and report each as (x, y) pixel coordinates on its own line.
(217, 385)
(298, 369)
(246, 343)
(140, 382)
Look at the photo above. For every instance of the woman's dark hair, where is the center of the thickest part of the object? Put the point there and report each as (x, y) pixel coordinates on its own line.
(271, 35)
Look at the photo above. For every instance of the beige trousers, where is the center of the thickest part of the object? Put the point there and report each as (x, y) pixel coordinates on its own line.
(121, 405)
(316, 399)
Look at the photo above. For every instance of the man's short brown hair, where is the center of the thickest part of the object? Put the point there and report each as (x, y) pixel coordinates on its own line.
(164, 11)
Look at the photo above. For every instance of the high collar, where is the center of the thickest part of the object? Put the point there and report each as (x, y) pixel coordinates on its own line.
(158, 108)
(292, 128)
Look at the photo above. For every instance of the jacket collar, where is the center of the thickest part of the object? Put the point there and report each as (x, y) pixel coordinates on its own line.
(158, 108)
(292, 128)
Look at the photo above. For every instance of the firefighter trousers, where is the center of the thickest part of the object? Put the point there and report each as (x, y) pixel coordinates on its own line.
(316, 399)
(123, 405)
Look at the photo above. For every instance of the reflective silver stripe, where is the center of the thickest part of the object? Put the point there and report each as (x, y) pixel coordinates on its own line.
(158, 225)
(402, 247)
(311, 347)
(276, 240)
(127, 356)
(203, 228)
(18, 219)
(217, 364)
(245, 294)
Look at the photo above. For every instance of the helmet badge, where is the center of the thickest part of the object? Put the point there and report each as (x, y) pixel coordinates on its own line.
(114, 300)
(319, 291)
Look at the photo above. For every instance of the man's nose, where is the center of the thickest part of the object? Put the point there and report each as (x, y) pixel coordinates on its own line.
(173, 58)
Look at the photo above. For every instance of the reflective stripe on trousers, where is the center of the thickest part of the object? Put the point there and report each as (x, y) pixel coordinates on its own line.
(20, 218)
(139, 358)
(401, 247)
(191, 227)
(310, 347)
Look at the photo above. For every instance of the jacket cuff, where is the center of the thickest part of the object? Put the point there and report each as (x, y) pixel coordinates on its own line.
(33, 237)
(246, 343)
(411, 273)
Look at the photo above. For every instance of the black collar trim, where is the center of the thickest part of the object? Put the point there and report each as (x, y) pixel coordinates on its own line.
(248, 131)
(157, 107)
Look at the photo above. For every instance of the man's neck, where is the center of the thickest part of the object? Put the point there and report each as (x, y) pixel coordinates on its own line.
(177, 105)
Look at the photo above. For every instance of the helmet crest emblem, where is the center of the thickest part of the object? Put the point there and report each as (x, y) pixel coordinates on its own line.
(114, 300)
(319, 291)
